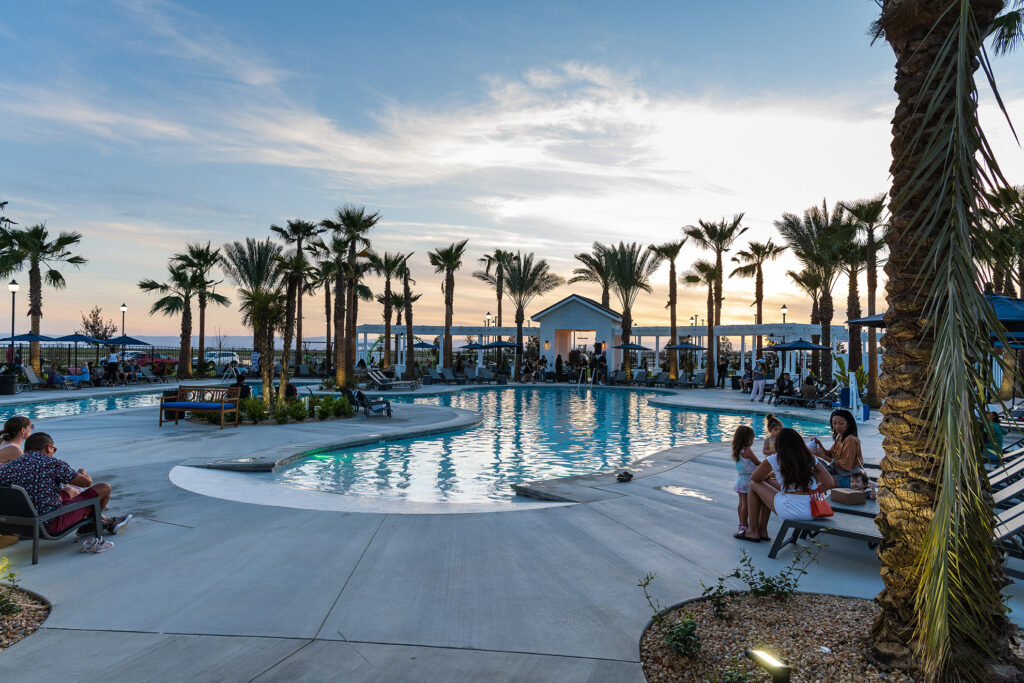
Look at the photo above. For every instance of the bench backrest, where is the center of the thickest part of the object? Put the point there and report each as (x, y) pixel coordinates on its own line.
(14, 501)
(207, 394)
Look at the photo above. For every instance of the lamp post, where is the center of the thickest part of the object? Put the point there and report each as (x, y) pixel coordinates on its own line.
(487, 323)
(784, 310)
(124, 308)
(14, 287)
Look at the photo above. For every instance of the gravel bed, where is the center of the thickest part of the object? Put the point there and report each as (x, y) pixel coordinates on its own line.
(14, 627)
(795, 630)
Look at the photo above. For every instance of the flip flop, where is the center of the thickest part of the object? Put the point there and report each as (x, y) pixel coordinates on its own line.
(744, 537)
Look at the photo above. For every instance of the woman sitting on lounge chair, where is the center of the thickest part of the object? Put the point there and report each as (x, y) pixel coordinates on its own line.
(81, 377)
(845, 455)
(797, 472)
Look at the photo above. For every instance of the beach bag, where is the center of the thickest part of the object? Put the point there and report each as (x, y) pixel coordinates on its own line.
(819, 503)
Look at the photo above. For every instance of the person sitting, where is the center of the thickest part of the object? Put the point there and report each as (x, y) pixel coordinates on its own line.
(526, 372)
(244, 390)
(747, 380)
(44, 477)
(993, 438)
(291, 391)
(16, 430)
(53, 377)
(798, 474)
(783, 387)
(845, 454)
(808, 390)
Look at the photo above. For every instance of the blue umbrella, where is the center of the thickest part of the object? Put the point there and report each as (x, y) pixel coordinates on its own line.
(685, 346)
(30, 337)
(423, 345)
(500, 345)
(472, 346)
(631, 347)
(870, 321)
(125, 341)
(1008, 310)
(799, 345)
(79, 338)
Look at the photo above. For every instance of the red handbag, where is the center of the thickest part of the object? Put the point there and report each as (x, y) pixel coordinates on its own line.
(819, 503)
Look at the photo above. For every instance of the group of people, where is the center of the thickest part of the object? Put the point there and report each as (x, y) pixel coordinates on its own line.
(29, 459)
(791, 472)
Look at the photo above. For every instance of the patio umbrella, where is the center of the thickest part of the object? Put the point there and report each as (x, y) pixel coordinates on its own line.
(799, 345)
(870, 321)
(500, 345)
(685, 346)
(472, 346)
(1010, 312)
(30, 337)
(631, 347)
(78, 338)
(423, 345)
(124, 340)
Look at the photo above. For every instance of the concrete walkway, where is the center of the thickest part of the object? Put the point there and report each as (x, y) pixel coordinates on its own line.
(205, 589)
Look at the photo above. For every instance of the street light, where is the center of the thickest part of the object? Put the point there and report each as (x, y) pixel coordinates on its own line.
(14, 287)
(124, 307)
(784, 311)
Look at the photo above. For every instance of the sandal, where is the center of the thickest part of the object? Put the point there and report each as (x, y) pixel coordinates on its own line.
(744, 537)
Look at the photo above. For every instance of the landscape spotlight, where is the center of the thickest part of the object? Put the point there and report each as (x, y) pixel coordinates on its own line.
(778, 670)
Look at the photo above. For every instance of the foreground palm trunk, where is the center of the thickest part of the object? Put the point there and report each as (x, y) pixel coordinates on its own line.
(872, 268)
(289, 325)
(410, 350)
(185, 349)
(340, 322)
(35, 312)
(201, 300)
(709, 370)
(940, 608)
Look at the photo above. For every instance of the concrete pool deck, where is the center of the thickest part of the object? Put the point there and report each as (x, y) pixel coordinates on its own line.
(202, 588)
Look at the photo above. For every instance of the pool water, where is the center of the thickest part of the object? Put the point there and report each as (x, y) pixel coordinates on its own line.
(527, 433)
(39, 411)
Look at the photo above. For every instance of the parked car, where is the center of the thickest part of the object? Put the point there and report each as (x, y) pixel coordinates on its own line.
(219, 358)
(159, 361)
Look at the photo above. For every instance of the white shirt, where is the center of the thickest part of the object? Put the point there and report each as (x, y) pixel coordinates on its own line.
(773, 460)
(112, 358)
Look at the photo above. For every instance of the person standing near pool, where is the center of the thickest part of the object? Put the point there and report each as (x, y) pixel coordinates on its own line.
(16, 430)
(112, 365)
(760, 377)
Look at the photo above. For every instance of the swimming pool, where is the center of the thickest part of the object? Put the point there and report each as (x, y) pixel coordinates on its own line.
(44, 409)
(527, 433)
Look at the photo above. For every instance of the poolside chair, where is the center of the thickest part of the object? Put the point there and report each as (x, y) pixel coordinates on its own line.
(618, 378)
(147, 374)
(450, 377)
(382, 381)
(32, 380)
(435, 376)
(18, 517)
(484, 375)
(639, 377)
(661, 379)
(376, 406)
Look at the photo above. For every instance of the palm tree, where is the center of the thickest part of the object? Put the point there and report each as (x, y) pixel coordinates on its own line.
(941, 607)
(293, 266)
(182, 284)
(631, 269)
(398, 305)
(323, 276)
(870, 216)
(254, 267)
(410, 341)
(494, 261)
(753, 259)
(855, 256)
(388, 265)
(335, 250)
(706, 274)
(595, 267)
(447, 260)
(299, 234)
(818, 241)
(669, 251)
(809, 280)
(717, 237)
(201, 259)
(525, 279)
(32, 248)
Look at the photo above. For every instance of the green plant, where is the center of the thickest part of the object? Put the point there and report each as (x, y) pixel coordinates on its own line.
(681, 635)
(281, 413)
(7, 603)
(719, 596)
(296, 410)
(735, 673)
(843, 377)
(780, 586)
(328, 384)
(253, 409)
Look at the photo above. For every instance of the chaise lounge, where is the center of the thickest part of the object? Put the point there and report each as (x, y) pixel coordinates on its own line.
(18, 517)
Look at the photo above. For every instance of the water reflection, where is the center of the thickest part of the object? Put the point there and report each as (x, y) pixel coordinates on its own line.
(527, 433)
(40, 411)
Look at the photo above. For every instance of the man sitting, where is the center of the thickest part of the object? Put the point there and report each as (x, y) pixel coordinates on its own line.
(52, 483)
(783, 388)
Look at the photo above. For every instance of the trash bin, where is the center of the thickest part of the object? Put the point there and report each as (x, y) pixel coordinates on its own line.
(8, 384)
(844, 397)
(735, 382)
(867, 411)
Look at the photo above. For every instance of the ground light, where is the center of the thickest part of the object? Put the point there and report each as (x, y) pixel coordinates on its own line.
(768, 662)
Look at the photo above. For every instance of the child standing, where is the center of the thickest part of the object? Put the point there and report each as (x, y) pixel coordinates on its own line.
(746, 463)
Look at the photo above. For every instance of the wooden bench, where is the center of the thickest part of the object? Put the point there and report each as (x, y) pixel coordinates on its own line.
(222, 400)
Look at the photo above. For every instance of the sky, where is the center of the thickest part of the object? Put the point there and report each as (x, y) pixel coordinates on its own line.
(540, 126)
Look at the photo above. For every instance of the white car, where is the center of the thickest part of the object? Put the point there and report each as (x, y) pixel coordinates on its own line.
(219, 358)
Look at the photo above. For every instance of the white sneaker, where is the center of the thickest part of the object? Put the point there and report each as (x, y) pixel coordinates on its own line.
(96, 545)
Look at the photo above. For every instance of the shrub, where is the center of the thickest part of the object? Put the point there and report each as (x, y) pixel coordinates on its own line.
(252, 409)
(342, 408)
(280, 414)
(327, 384)
(296, 410)
(7, 602)
(681, 636)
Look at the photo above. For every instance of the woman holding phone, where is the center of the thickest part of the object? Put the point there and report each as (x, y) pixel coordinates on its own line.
(845, 455)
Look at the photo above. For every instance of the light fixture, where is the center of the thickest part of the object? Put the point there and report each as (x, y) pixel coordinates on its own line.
(779, 670)
(13, 286)
(488, 316)
(124, 307)
(547, 345)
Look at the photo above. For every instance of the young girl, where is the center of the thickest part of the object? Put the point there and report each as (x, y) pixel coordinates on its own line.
(746, 462)
(773, 426)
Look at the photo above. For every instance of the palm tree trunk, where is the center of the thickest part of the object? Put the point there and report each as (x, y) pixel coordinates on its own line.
(853, 312)
(825, 310)
(298, 326)
(289, 325)
(202, 330)
(606, 295)
(266, 337)
(1010, 365)
(350, 327)
(872, 336)
(185, 348)
(340, 336)
(673, 356)
(709, 370)
(398, 323)
(718, 289)
(35, 312)
(627, 332)
(759, 304)
(449, 310)
(387, 323)
(327, 314)
(520, 317)
(410, 350)
(500, 289)
(815, 338)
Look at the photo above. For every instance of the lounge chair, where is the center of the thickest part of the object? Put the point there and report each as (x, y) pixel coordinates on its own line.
(18, 516)
(618, 378)
(147, 374)
(435, 376)
(32, 380)
(376, 406)
(661, 379)
(639, 377)
(450, 377)
(484, 375)
(381, 380)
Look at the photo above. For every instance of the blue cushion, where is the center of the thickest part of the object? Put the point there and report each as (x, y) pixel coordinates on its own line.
(189, 405)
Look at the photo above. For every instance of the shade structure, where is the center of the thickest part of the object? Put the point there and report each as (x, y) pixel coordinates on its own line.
(500, 345)
(472, 346)
(423, 345)
(76, 338)
(125, 340)
(1008, 310)
(30, 337)
(631, 347)
(685, 346)
(876, 320)
(799, 345)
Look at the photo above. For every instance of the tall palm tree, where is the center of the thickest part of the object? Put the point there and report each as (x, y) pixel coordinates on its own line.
(293, 266)
(32, 249)
(201, 259)
(809, 280)
(669, 251)
(753, 259)
(301, 236)
(525, 279)
(398, 305)
(818, 240)
(706, 274)
(335, 250)
(941, 607)
(719, 238)
(493, 263)
(595, 267)
(410, 340)
(388, 265)
(447, 260)
(855, 258)
(870, 217)
(177, 292)
(631, 269)
(322, 278)
(254, 267)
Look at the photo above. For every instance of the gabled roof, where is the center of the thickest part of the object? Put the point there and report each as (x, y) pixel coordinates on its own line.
(590, 303)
